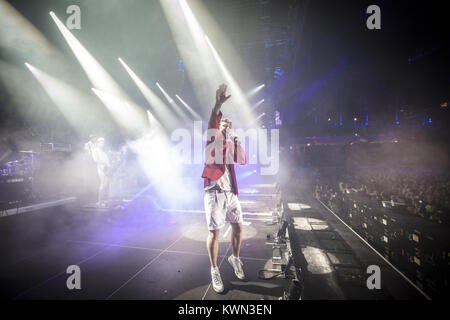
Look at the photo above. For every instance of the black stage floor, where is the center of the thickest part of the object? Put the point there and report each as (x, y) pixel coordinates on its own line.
(129, 254)
(142, 252)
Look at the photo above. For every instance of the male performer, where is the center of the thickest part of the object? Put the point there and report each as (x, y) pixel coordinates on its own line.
(103, 164)
(221, 190)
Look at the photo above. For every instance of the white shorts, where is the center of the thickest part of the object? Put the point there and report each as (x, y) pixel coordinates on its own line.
(221, 207)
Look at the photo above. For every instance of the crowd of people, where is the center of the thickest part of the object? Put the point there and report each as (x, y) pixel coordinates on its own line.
(424, 194)
(411, 174)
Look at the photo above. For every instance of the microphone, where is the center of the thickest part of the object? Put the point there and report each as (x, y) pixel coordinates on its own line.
(232, 136)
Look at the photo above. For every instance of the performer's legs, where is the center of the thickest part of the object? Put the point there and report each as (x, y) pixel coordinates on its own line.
(215, 219)
(103, 189)
(100, 187)
(234, 216)
(90, 181)
(236, 238)
(86, 186)
(106, 190)
(212, 244)
(215, 204)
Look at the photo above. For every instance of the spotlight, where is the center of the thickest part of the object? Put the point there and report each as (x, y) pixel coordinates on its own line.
(255, 90)
(164, 93)
(195, 114)
(260, 102)
(177, 108)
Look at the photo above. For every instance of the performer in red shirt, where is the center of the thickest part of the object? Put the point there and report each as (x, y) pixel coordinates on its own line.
(221, 202)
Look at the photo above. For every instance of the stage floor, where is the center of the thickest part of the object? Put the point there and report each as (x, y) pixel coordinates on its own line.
(148, 252)
(124, 255)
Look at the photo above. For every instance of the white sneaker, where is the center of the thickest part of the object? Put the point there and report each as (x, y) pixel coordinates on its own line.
(237, 264)
(216, 280)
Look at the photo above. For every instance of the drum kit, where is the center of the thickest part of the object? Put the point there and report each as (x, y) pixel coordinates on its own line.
(24, 166)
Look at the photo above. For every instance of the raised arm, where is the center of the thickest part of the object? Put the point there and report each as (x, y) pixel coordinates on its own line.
(221, 97)
(216, 114)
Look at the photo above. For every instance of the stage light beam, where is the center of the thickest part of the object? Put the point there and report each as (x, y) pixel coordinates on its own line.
(125, 113)
(161, 110)
(188, 107)
(239, 96)
(260, 102)
(189, 39)
(255, 90)
(199, 54)
(99, 78)
(257, 118)
(73, 103)
(175, 107)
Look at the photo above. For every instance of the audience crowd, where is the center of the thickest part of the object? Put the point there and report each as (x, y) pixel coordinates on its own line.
(421, 193)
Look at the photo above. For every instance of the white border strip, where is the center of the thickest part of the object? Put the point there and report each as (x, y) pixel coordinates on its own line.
(381, 256)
